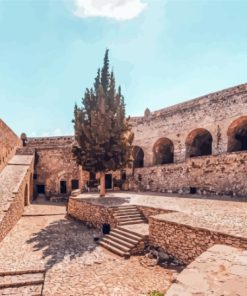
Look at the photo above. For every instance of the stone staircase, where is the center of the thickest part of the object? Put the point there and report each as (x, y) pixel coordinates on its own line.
(123, 241)
(25, 151)
(29, 282)
(126, 215)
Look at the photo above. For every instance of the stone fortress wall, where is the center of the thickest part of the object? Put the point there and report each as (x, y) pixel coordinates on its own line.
(56, 172)
(195, 147)
(8, 144)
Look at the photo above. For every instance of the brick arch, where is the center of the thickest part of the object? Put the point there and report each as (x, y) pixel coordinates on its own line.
(237, 135)
(163, 151)
(199, 143)
(138, 157)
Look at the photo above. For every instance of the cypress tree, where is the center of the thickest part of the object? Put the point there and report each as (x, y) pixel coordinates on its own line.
(103, 134)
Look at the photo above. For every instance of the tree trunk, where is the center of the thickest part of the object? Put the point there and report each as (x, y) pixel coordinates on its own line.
(102, 184)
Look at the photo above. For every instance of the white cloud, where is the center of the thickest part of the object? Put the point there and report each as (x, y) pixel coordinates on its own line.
(115, 9)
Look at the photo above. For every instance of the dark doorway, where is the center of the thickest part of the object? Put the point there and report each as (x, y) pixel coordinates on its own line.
(40, 189)
(108, 181)
(74, 184)
(63, 187)
(193, 190)
(138, 156)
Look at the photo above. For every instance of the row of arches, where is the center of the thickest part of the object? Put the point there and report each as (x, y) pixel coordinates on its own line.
(198, 143)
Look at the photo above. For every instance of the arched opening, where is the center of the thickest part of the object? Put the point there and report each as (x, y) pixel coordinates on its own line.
(26, 196)
(163, 151)
(199, 143)
(138, 156)
(237, 135)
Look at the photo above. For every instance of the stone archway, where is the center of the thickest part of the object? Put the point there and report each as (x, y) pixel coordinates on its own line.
(237, 135)
(163, 151)
(199, 143)
(138, 156)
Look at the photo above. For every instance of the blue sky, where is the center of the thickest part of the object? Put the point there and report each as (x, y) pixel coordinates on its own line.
(163, 52)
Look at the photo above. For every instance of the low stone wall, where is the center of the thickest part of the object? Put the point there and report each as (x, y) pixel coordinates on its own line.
(186, 242)
(223, 174)
(94, 214)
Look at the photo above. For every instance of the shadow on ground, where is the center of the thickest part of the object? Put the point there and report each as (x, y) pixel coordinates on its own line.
(64, 239)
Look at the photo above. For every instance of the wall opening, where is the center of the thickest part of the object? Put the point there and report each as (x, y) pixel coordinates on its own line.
(199, 143)
(40, 189)
(74, 184)
(138, 156)
(108, 181)
(123, 175)
(163, 151)
(26, 196)
(193, 190)
(63, 187)
(237, 135)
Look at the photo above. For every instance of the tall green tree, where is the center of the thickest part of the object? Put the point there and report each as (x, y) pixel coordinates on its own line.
(103, 135)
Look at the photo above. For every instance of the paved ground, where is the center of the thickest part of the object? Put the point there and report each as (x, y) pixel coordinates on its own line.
(220, 271)
(220, 215)
(75, 265)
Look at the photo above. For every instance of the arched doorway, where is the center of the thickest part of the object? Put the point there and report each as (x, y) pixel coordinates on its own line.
(163, 151)
(237, 135)
(138, 156)
(26, 196)
(199, 143)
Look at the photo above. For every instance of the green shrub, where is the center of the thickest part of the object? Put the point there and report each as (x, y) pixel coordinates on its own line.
(155, 293)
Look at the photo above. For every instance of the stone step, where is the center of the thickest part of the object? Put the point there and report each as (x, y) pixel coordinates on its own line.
(131, 222)
(125, 207)
(128, 215)
(124, 237)
(127, 233)
(12, 281)
(124, 219)
(130, 232)
(121, 241)
(114, 250)
(118, 214)
(35, 290)
(116, 245)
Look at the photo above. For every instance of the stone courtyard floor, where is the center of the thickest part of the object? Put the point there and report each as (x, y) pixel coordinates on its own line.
(45, 239)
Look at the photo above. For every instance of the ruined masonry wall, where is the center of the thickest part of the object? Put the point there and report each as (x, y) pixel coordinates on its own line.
(8, 144)
(185, 242)
(216, 175)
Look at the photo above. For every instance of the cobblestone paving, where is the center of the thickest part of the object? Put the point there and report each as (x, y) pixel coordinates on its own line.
(75, 264)
(227, 216)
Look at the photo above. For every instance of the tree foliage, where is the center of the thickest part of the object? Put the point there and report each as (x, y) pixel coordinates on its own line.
(102, 131)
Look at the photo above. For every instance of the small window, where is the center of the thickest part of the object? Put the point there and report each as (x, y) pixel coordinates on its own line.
(63, 187)
(35, 176)
(123, 175)
(74, 184)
